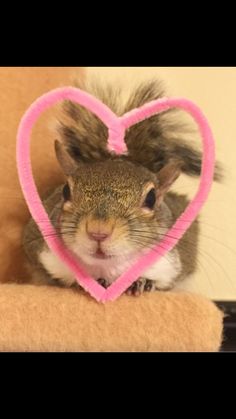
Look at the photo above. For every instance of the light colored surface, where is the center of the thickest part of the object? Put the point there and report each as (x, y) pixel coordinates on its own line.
(46, 319)
(214, 90)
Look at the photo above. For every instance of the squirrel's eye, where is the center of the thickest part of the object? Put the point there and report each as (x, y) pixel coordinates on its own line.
(150, 199)
(66, 192)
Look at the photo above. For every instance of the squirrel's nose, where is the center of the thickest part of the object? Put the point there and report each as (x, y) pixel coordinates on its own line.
(97, 236)
(98, 230)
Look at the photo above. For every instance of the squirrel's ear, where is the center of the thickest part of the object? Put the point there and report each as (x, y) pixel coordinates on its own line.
(166, 177)
(66, 162)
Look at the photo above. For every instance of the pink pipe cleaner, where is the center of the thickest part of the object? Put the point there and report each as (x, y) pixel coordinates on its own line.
(116, 128)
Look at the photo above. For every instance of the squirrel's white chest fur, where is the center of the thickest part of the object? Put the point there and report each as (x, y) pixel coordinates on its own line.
(164, 271)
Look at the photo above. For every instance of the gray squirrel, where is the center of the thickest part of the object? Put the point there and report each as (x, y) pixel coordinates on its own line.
(112, 209)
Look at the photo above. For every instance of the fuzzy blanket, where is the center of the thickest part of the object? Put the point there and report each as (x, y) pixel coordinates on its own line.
(44, 318)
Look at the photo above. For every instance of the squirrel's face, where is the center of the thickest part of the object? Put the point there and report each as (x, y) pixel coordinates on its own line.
(112, 208)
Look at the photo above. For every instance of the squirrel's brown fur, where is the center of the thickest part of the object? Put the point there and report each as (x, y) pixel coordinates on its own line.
(108, 190)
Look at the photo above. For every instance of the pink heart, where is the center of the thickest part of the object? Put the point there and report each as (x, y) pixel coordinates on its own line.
(117, 127)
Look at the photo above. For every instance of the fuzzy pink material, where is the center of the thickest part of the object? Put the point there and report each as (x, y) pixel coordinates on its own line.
(116, 126)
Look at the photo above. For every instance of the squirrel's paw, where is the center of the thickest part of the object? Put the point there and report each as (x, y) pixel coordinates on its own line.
(103, 282)
(140, 286)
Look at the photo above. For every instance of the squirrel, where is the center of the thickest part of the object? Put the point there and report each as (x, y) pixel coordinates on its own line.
(114, 208)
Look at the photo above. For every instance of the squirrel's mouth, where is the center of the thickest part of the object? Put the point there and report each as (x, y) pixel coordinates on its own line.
(99, 254)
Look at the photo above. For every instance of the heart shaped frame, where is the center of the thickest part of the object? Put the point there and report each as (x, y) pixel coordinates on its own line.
(117, 127)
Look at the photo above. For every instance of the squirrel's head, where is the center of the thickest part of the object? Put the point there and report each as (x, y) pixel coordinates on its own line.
(111, 208)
